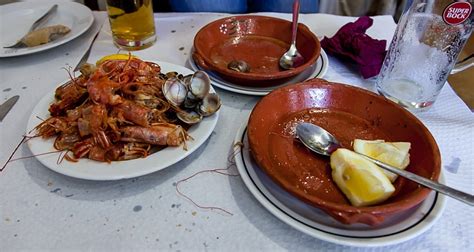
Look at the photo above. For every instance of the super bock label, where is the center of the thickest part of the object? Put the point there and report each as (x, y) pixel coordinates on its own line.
(457, 13)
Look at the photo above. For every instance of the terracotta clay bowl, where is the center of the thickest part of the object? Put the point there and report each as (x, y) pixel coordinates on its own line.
(348, 113)
(258, 40)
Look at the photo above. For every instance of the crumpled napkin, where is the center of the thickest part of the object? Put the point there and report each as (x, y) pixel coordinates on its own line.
(351, 43)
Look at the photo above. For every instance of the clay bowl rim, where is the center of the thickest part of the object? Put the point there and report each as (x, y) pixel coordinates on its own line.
(302, 29)
(385, 209)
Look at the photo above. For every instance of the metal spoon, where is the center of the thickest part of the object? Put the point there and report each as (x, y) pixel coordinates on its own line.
(35, 25)
(322, 142)
(292, 58)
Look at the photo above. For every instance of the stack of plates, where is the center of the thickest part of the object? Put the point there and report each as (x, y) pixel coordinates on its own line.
(317, 70)
(316, 223)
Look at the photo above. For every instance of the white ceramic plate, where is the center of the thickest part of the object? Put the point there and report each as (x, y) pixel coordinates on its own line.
(93, 170)
(317, 70)
(316, 223)
(17, 18)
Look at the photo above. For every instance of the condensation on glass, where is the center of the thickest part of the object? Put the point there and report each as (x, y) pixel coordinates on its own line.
(424, 50)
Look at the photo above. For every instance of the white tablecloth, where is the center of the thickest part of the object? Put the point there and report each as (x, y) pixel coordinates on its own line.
(41, 209)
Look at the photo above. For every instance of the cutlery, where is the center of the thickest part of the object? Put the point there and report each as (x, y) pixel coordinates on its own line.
(35, 25)
(292, 58)
(6, 106)
(322, 142)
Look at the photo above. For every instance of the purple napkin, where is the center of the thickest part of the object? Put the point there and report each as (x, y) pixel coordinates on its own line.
(351, 43)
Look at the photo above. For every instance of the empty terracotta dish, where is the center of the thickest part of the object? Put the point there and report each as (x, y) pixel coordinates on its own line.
(348, 113)
(258, 41)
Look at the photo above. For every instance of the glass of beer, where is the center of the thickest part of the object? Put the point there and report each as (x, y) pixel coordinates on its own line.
(132, 23)
(424, 50)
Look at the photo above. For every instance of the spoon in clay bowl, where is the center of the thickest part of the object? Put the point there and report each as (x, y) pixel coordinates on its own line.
(322, 142)
(292, 58)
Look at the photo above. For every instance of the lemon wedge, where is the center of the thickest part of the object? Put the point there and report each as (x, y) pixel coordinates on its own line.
(114, 57)
(392, 153)
(363, 182)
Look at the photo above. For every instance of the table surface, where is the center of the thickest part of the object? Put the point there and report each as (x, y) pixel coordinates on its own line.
(41, 209)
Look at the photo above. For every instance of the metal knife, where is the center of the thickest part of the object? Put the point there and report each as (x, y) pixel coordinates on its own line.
(6, 106)
(35, 25)
(85, 57)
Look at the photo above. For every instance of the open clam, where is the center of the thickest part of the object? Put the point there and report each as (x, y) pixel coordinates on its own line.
(209, 105)
(170, 75)
(189, 116)
(198, 84)
(239, 66)
(191, 101)
(175, 91)
(187, 78)
(190, 98)
(87, 69)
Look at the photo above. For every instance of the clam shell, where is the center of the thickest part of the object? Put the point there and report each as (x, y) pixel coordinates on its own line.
(174, 91)
(171, 74)
(87, 69)
(209, 105)
(239, 66)
(191, 101)
(189, 117)
(162, 76)
(199, 84)
(187, 79)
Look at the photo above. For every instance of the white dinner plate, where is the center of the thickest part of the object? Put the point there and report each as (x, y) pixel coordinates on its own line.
(317, 70)
(316, 223)
(93, 170)
(17, 18)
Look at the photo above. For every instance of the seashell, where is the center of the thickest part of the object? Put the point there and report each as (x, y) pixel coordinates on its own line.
(162, 76)
(170, 75)
(199, 84)
(191, 101)
(209, 105)
(174, 91)
(239, 66)
(187, 78)
(189, 117)
(87, 69)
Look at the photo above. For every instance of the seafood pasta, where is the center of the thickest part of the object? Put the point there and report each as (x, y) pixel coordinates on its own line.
(123, 109)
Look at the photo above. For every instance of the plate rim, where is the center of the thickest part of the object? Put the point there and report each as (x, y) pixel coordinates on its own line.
(259, 91)
(67, 171)
(421, 226)
(73, 6)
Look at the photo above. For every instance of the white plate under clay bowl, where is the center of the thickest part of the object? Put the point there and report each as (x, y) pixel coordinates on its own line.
(93, 170)
(17, 18)
(317, 70)
(316, 223)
